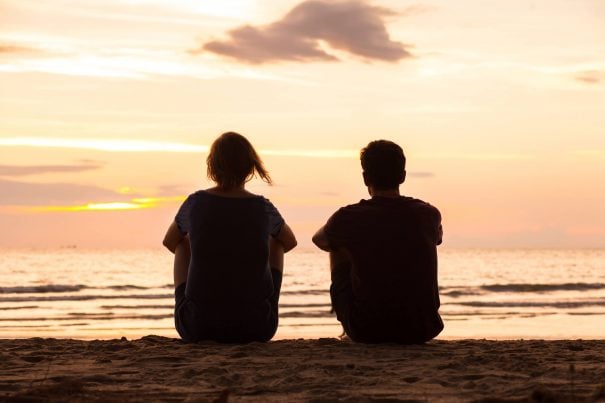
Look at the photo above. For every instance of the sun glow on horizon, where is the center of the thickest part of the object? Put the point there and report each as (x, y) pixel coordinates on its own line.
(133, 204)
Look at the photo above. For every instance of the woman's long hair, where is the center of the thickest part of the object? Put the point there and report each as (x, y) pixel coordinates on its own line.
(232, 161)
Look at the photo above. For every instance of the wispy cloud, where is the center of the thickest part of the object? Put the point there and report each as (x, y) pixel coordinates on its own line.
(70, 56)
(485, 156)
(113, 145)
(143, 146)
(33, 194)
(312, 153)
(421, 174)
(22, 170)
(453, 63)
(65, 197)
(350, 26)
(171, 190)
(9, 48)
(57, 197)
(590, 77)
(138, 146)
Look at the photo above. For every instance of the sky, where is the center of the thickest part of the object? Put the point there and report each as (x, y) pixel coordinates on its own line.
(108, 107)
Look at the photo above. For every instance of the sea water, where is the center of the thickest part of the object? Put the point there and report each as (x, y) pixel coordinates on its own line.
(501, 294)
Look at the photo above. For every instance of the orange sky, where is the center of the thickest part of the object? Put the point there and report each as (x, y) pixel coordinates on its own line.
(107, 108)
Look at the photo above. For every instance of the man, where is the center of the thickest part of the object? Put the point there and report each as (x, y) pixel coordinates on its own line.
(383, 256)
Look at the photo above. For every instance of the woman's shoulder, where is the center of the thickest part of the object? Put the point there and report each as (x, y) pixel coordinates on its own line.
(213, 196)
(201, 193)
(230, 194)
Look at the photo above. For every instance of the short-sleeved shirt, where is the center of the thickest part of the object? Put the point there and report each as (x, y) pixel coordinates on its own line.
(391, 243)
(229, 237)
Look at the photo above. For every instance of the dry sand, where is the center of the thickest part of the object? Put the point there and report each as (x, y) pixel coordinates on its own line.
(162, 369)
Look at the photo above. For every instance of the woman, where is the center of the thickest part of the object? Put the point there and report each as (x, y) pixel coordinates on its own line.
(229, 247)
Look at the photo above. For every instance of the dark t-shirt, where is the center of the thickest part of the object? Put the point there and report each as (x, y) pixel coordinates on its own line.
(392, 246)
(229, 271)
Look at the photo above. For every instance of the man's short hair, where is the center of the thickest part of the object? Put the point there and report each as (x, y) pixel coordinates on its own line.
(383, 164)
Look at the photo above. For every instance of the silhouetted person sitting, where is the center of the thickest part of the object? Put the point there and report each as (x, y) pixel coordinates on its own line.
(383, 256)
(229, 247)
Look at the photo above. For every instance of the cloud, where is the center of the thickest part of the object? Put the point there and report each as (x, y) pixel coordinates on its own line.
(7, 48)
(351, 26)
(171, 190)
(65, 197)
(421, 174)
(128, 145)
(23, 170)
(13, 193)
(589, 77)
(112, 145)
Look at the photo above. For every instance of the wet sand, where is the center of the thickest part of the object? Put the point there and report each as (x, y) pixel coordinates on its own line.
(156, 368)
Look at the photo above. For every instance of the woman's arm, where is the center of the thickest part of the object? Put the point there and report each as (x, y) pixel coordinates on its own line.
(286, 238)
(173, 237)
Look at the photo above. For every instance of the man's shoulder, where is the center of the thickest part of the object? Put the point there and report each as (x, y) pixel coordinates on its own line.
(347, 214)
(380, 206)
(418, 203)
(353, 208)
(424, 209)
(403, 202)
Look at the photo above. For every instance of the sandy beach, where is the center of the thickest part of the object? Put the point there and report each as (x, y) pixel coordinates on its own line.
(156, 368)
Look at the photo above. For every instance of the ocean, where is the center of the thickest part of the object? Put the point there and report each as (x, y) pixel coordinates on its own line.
(485, 293)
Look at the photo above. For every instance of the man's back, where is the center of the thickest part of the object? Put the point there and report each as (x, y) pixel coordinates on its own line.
(391, 244)
(383, 256)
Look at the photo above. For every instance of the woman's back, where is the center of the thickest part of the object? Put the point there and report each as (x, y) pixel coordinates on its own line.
(229, 248)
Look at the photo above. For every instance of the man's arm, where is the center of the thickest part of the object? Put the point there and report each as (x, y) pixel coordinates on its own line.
(173, 237)
(321, 240)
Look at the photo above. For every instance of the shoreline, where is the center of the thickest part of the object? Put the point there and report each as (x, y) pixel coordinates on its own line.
(294, 336)
(160, 368)
(454, 331)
